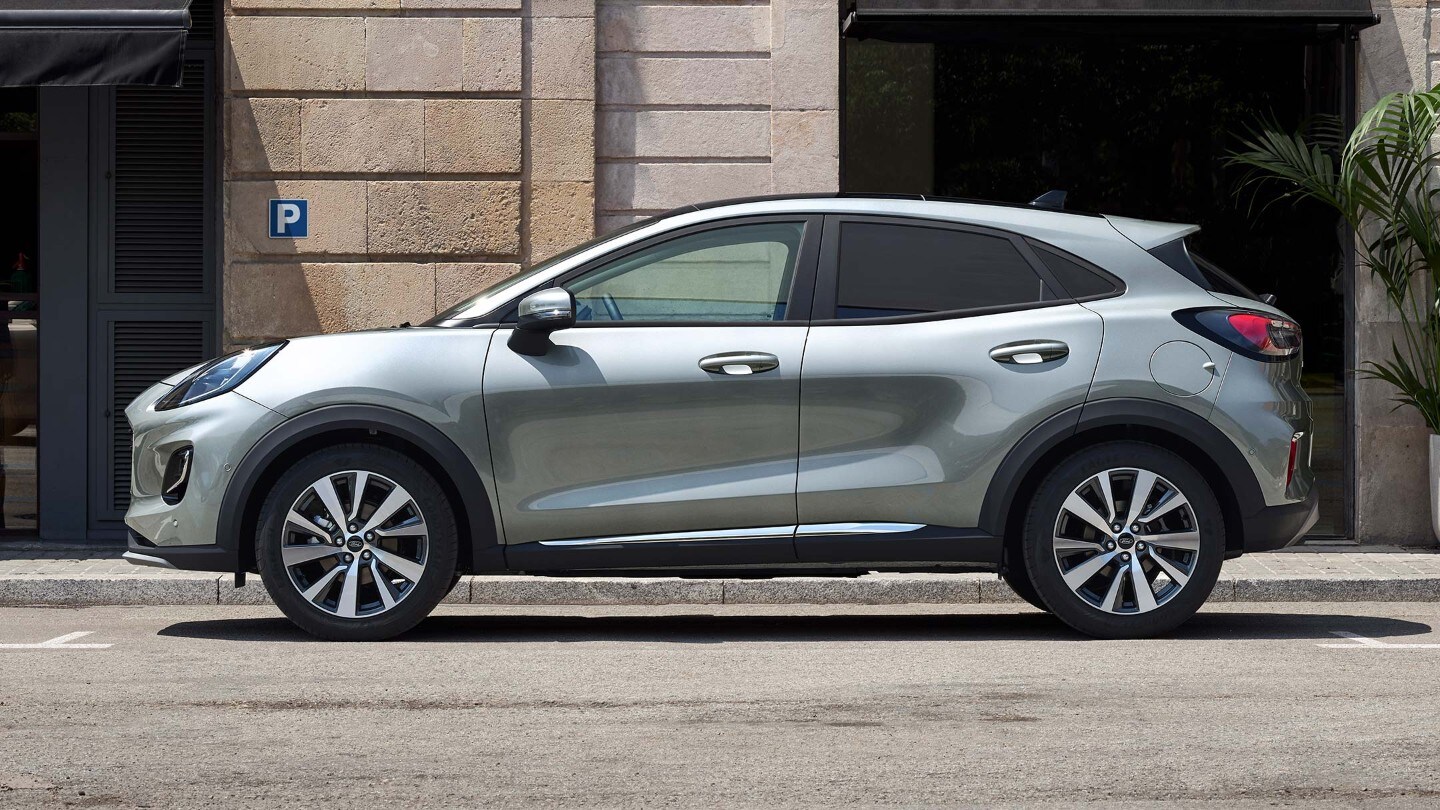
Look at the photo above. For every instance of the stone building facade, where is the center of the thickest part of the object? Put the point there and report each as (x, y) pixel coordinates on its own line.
(445, 143)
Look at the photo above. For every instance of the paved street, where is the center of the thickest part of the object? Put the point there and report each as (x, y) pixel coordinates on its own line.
(729, 705)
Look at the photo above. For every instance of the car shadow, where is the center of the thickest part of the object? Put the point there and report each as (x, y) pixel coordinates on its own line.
(689, 628)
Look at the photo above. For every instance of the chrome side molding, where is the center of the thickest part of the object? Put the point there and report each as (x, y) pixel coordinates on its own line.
(803, 530)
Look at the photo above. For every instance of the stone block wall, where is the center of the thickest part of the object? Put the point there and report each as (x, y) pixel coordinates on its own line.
(1392, 501)
(441, 143)
(706, 99)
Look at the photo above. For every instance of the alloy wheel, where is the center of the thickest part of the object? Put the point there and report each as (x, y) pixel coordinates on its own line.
(355, 544)
(1126, 541)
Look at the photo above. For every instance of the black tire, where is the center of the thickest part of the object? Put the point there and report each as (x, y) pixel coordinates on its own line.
(441, 538)
(1044, 515)
(1019, 581)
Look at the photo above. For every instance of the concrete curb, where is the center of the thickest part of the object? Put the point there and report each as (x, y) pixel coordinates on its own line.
(875, 589)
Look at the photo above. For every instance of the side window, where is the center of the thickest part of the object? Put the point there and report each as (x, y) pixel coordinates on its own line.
(737, 274)
(1077, 279)
(891, 270)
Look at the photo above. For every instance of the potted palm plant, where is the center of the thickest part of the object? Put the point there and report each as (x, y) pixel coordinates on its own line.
(1381, 178)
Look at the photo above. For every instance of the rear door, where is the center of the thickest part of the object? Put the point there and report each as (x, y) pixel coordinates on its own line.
(933, 349)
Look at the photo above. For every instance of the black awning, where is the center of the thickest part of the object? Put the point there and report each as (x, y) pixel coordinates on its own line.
(918, 20)
(93, 42)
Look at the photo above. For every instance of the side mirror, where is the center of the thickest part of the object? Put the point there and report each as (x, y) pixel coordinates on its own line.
(539, 314)
(547, 311)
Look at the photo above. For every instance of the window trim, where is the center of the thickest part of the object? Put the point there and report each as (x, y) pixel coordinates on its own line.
(1032, 248)
(827, 276)
(802, 281)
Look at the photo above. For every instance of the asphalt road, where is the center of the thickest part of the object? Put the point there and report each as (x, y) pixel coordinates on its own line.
(737, 706)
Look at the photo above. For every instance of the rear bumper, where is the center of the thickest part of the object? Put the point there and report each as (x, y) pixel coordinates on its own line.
(211, 557)
(1275, 527)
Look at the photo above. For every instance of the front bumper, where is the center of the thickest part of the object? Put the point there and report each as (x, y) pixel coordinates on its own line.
(220, 431)
(1275, 527)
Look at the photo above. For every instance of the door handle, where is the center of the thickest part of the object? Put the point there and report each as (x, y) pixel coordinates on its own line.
(1029, 352)
(739, 363)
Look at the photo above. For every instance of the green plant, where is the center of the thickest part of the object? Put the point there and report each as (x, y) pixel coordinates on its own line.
(1382, 180)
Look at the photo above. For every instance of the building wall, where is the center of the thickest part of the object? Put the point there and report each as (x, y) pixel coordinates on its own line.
(445, 143)
(441, 143)
(708, 99)
(1392, 502)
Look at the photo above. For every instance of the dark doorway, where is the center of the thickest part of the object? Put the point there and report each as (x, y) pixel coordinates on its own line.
(1137, 125)
(19, 309)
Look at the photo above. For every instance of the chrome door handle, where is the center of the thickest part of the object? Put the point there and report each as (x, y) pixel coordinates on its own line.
(739, 363)
(1029, 352)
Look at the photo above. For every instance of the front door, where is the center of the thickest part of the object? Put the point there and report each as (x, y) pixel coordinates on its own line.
(669, 415)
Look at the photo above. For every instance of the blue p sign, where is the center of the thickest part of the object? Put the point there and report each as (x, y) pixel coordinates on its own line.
(289, 219)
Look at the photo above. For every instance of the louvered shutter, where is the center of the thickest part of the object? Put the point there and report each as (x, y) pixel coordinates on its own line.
(155, 312)
(143, 352)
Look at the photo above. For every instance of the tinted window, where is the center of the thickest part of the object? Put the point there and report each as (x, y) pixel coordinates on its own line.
(892, 270)
(741, 273)
(1077, 279)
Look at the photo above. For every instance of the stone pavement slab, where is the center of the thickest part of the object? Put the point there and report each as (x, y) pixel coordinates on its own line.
(31, 574)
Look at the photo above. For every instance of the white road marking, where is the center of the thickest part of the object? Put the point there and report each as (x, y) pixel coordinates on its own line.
(1359, 642)
(58, 643)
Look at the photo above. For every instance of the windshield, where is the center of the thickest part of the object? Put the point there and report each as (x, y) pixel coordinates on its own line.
(487, 299)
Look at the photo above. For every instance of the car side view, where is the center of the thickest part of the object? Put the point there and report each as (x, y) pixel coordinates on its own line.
(818, 384)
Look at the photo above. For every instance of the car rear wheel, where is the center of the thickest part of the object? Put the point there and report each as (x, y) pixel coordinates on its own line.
(357, 542)
(1124, 540)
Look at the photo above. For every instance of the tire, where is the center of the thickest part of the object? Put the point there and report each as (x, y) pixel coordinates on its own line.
(1178, 550)
(1019, 581)
(357, 585)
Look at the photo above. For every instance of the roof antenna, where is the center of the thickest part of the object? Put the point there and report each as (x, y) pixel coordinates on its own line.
(1054, 199)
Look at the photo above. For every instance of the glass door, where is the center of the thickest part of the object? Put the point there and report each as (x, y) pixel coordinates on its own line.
(19, 310)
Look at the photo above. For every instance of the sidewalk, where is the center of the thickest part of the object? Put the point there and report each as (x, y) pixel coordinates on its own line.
(37, 575)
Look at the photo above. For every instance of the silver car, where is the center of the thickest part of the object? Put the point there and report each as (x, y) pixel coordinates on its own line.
(827, 384)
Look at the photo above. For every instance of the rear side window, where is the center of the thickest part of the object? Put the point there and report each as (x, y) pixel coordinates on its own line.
(1177, 255)
(1077, 279)
(894, 270)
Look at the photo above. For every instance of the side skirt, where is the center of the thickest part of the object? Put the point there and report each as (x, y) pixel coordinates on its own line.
(837, 549)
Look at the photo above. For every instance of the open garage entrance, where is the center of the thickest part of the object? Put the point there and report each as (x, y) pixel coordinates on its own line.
(1132, 114)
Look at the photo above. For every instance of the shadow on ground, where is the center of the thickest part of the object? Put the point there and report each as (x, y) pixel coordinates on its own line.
(1023, 625)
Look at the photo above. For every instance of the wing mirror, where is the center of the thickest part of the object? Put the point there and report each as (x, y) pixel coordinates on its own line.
(539, 314)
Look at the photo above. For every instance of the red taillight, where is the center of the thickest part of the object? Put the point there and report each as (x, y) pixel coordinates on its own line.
(1270, 336)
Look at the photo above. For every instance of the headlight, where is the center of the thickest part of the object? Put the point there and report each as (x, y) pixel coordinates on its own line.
(218, 376)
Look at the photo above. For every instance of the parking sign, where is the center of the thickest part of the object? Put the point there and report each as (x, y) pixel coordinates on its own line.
(289, 219)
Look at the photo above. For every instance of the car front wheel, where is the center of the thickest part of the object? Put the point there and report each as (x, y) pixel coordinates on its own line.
(356, 542)
(1124, 540)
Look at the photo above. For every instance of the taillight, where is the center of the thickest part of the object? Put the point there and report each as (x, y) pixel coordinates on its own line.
(1254, 334)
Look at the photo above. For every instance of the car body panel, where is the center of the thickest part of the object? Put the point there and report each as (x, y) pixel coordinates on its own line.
(908, 421)
(617, 430)
(431, 374)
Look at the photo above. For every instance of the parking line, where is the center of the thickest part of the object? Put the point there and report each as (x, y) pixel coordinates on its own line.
(58, 643)
(1359, 642)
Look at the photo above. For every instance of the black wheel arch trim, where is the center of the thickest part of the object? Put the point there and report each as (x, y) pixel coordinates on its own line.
(487, 554)
(1127, 412)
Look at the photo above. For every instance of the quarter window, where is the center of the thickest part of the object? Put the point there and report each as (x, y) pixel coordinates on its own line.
(1077, 279)
(894, 270)
(736, 274)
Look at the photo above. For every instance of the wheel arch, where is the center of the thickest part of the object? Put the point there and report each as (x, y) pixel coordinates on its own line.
(1182, 432)
(479, 550)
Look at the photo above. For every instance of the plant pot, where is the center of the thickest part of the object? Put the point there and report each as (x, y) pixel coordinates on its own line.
(1435, 485)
